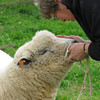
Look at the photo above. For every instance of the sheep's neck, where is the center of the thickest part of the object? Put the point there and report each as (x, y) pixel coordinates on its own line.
(18, 88)
(27, 91)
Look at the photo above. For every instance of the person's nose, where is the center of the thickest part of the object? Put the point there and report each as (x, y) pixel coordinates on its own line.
(63, 20)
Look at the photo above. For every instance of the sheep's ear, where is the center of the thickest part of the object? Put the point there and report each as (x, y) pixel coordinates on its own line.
(23, 62)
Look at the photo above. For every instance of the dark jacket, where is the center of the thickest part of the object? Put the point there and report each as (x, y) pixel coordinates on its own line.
(87, 13)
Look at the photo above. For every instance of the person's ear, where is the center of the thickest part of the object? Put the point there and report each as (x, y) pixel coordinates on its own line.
(23, 62)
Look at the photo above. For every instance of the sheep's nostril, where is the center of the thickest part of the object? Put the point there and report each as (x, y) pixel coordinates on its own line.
(74, 41)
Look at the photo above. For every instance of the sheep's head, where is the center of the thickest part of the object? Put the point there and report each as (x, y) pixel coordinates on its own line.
(44, 55)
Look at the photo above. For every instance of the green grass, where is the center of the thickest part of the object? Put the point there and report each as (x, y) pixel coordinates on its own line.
(18, 24)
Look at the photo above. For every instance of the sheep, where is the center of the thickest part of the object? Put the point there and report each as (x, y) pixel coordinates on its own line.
(5, 59)
(37, 69)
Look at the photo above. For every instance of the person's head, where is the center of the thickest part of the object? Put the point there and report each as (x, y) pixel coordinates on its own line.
(47, 7)
(52, 8)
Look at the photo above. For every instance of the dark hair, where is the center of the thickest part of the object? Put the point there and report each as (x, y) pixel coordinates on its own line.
(47, 7)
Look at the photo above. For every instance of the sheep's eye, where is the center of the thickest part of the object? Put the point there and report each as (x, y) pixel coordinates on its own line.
(43, 51)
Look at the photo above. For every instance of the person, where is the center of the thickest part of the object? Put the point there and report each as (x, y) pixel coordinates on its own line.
(87, 13)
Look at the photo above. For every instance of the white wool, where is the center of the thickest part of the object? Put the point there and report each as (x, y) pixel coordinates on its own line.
(41, 74)
(5, 60)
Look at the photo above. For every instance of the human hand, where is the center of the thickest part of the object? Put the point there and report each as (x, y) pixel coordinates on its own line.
(76, 52)
(77, 38)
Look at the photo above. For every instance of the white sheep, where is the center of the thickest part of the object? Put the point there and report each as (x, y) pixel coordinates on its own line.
(37, 69)
(5, 59)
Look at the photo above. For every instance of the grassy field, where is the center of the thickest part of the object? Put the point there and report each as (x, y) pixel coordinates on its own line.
(19, 21)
